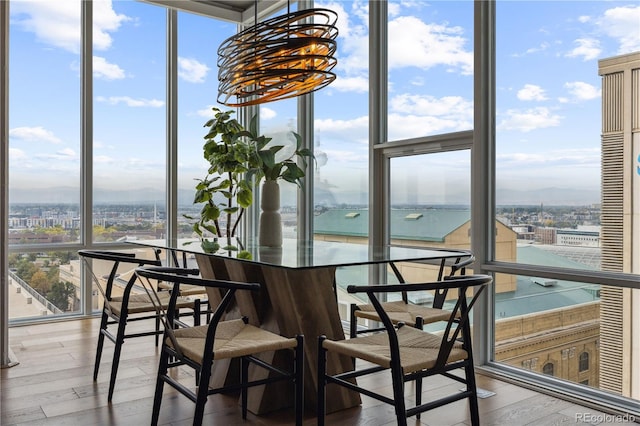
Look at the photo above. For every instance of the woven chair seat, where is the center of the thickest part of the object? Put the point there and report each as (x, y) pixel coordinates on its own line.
(185, 289)
(142, 303)
(233, 339)
(407, 313)
(418, 349)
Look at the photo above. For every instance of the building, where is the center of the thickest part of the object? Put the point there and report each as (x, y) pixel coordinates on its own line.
(620, 221)
(577, 237)
(418, 228)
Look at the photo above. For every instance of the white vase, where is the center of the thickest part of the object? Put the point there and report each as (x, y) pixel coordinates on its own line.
(270, 220)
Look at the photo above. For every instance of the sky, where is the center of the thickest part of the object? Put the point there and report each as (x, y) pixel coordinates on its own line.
(548, 96)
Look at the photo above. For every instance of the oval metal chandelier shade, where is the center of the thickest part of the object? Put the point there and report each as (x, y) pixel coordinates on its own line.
(279, 58)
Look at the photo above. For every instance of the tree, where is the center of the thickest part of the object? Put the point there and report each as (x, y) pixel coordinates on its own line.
(60, 294)
(53, 274)
(40, 282)
(26, 269)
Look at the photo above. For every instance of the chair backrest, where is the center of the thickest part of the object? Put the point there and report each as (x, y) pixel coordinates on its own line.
(458, 322)
(460, 265)
(116, 259)
(440, 295)
(178, 276)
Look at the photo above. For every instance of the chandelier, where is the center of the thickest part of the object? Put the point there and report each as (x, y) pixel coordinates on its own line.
(279, 58)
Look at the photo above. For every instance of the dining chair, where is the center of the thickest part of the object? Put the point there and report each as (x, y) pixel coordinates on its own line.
(409, 353)
(197, 293)
(404, 310)
(199, 347)
(124, 302)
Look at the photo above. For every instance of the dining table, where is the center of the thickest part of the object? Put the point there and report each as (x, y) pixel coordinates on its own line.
(298, 296)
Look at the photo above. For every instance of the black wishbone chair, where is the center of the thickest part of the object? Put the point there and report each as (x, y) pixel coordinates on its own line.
(404, 310)
(119, 309)
(409, 353)
(199, 294)
(199, 347)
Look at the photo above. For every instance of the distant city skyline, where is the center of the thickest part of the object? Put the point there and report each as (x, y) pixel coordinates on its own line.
(548, 196)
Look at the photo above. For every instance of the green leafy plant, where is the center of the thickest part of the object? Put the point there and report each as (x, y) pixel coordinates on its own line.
(274, 161)
(237, 158)
(227, 189)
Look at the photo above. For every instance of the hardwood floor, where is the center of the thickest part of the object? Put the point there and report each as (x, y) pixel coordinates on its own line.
(53, 385)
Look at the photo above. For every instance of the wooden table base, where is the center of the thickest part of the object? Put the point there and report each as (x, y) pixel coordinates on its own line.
(291, 302)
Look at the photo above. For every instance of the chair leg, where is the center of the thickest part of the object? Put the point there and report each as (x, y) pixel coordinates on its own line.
(202, 394)
(116, 354)
(398, 395)
(353, 325)
(157, 330)
(419, 325)
(299, 378)
(103, 326)
(157, 398)
(196, 312)
(322, 367)
(418, 394)
(244, 379)
(473, 399)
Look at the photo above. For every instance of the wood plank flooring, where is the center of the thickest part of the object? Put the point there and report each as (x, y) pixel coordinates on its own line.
(53, 385)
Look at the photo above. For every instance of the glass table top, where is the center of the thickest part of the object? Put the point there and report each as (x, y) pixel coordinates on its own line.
(313, 254)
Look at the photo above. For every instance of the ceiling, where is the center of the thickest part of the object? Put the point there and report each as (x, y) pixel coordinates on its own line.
(237, 11)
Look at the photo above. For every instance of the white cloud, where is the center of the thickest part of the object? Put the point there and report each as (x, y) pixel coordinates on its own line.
(16, 155)
(353, 38)
(330, 124)
(564, 157)
(357, 129)
(531, 92)
(582, 91)
(415, 43)
(206, 112)
(103, 159)
(587, 48)
(335, 156)
(267, 113)
(540, 48)
(402, 126)
(104, 70)
(447, 106)
(115, 100)
(64, 154)
(34, 134)
(531, 119)
(191, 70)
(419, 115)
(344, 23)
(351, 84)
(418, 81)
(105, 20)
(57, 23)
(622, 23)
(67, 152)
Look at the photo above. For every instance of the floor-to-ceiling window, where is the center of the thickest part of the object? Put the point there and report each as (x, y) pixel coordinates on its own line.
(44, 154)
(196, 97)
(129, 131)
(429, 116)
(341, 124)
(554, 191)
